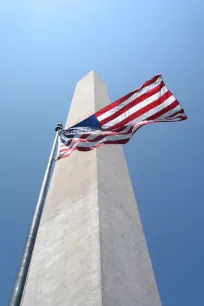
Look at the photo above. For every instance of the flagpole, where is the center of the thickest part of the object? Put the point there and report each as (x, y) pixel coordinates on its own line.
(21, 276)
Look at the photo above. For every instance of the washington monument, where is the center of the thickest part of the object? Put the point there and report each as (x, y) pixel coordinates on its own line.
(90, 248)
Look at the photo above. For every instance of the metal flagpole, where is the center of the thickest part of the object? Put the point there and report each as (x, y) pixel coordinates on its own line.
(21, 276)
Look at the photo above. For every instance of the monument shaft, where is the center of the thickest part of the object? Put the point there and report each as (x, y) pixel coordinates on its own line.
(90, 248)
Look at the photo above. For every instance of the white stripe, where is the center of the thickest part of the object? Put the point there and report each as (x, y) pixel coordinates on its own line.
(126, 129)
(176, 116)
(95, 134)
(119, 136)
(78, 135)
(136, 108)
(91, 144)
(167, 102)
(98, 133)
(155, 110)
(107, 138)
(171, 112)
(133, 97)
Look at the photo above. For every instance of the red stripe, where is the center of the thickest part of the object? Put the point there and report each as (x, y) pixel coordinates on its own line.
(96, 139)
(179, 118)
(133, 103)
(92, 147)
(63, 150)
(117, 102)
(85, 149)
(163, 111)
(84, 137)
(179, 112)
(142, 123)
(69, 142)
(123, 141)
(120, 129)
(143, 110)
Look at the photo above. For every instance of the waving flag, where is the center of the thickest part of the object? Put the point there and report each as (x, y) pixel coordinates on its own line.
(117, 122)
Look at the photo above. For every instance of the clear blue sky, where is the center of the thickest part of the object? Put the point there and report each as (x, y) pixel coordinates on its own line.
(46, 47)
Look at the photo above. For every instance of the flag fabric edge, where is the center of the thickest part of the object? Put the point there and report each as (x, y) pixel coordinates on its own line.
(150, 103)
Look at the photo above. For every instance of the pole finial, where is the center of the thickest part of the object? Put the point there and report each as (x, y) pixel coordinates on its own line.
(58, 127)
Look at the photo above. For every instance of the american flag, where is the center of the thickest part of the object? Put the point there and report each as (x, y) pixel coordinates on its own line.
(117, 122)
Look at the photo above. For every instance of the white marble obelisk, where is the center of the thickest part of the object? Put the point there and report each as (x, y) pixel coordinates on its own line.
(90, 248)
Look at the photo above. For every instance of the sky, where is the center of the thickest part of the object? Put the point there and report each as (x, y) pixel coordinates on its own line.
(45, 48)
